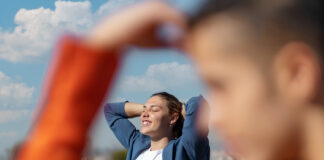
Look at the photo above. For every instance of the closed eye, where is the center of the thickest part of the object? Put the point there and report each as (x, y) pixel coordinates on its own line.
(215, 85)
(155, 108)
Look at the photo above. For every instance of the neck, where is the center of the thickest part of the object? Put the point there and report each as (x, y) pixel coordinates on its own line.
(158, 143)
(314, 133)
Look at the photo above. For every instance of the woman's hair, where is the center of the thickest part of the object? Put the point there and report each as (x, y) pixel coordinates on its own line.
(175, 106)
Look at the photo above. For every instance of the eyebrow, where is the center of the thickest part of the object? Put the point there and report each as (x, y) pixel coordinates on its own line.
(144, 106)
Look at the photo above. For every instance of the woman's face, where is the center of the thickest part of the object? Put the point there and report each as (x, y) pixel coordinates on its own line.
(155, 118)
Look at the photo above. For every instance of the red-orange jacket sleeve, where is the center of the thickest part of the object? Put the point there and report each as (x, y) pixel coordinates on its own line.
(75, 87)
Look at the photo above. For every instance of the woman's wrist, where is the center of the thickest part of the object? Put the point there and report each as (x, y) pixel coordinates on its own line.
(97, 43)
(133, 109)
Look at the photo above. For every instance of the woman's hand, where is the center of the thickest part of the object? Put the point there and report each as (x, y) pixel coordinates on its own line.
(136, 25)
(183, 111)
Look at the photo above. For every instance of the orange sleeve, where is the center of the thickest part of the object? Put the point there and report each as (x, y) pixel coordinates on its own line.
(75, 89)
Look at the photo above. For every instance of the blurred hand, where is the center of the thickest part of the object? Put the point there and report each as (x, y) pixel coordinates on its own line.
(136, 25)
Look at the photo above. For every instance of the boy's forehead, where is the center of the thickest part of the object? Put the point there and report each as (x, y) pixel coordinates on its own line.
(222, 43)
(224, 34)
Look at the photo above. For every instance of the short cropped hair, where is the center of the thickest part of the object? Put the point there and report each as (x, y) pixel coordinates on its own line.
(301, 19)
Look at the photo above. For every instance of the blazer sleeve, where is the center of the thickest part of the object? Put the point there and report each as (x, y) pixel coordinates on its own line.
(75, 87)
(195, 143)
(118, 122)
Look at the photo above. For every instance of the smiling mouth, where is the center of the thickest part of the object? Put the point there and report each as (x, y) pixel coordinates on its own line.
(146, 123)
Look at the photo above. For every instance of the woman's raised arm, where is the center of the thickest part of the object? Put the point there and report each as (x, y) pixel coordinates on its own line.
(133, 109)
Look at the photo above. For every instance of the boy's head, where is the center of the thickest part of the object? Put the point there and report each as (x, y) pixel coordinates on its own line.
(262, 63)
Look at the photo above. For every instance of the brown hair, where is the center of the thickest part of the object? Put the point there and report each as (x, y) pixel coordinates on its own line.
(301, 18)
(175, 106)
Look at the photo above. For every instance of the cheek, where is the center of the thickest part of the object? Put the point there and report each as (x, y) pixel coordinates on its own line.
(248, 100)
(240, 105)
(159, 119)
(244, 111)
(254, 114)
(255, 118)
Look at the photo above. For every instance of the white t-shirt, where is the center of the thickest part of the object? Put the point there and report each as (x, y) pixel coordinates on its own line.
(150, 155)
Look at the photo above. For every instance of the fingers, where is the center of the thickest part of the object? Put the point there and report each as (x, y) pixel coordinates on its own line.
(170, 24)
(168, 14)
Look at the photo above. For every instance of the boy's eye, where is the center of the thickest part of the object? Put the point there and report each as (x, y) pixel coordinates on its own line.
(216, 85)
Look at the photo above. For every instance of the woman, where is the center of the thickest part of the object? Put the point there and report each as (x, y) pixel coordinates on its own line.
(166, 133)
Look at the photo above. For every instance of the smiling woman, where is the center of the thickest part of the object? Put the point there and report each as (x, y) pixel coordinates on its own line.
(162, 120)
(171, 106)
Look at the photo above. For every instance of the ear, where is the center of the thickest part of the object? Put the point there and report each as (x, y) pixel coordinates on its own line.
(297, 73)
(173, 118)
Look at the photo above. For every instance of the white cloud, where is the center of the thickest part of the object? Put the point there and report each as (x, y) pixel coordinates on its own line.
(8, 134)
(12, 115)
(114, 5)
(37, 29)
(160, 77)
(13, 93)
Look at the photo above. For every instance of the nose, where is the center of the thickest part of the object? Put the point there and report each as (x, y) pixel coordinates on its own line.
(203, 118)
(215, 119)
(145, 113)
(216, 116)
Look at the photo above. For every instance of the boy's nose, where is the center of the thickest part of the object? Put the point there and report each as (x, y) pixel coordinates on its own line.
(216, 116)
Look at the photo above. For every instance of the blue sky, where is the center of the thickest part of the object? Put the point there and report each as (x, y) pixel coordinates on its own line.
(28, 32)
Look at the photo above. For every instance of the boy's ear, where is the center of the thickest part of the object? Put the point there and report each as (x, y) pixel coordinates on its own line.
(297, 72)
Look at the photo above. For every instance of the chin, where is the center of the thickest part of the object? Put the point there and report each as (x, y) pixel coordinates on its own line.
(148, 132)
(144, 131)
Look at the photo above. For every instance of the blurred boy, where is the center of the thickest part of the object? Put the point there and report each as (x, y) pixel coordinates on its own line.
(262, 63)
